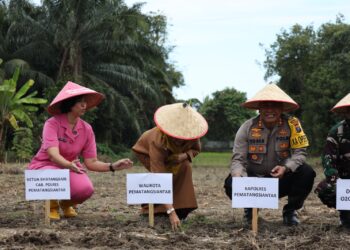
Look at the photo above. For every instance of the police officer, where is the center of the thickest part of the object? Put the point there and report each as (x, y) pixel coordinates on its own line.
(336, 159)
(273, 145)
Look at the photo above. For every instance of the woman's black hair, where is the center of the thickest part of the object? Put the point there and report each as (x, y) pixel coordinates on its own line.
(66, 105)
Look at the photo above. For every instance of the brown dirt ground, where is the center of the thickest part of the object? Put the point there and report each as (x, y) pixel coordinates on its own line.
(106, 222)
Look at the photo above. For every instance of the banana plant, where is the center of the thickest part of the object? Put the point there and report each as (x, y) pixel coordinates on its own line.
(15, 106)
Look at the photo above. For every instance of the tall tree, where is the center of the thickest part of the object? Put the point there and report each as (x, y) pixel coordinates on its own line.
(225, 114)
(313, 67)
(291, 58)
(104, 44)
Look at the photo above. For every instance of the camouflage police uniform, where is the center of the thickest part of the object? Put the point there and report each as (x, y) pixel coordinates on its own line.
(336, 164)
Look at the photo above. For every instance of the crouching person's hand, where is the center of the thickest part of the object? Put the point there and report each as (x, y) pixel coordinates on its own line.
(175, 221)
(122, 164)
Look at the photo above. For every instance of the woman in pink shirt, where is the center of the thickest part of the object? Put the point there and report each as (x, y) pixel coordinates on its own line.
(66, 137)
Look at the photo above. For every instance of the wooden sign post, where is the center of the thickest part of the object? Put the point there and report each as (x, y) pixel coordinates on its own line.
(255, 220)
(47, 212)
(151, 214)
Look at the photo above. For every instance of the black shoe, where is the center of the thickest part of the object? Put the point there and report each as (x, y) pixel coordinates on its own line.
(344, 216)
(290, 218)
(345, 225)
(247, 217)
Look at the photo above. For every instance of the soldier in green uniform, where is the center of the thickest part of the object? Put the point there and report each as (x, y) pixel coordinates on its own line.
(273, 145)
(336, 159)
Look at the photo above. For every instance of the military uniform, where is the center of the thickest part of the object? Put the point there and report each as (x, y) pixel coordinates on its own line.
(336, 164)
(336, 159)
(336, 155)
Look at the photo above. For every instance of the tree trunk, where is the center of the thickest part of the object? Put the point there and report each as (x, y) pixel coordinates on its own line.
(63, 64)
(77, 63)
(2, 143)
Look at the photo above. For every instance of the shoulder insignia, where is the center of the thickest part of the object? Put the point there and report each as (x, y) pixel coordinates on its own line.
(298, 138)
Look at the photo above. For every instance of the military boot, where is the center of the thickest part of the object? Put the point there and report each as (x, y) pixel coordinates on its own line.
(54, 214)
(289, 210)
(290, 217)
(68, 210)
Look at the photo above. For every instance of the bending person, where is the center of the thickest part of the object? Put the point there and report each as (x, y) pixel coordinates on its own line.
(66, 137)
(169, 148)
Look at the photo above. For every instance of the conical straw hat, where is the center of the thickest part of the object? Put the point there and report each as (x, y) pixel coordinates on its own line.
(341, 106)
(181, 121)
(271, 93)
(70, 90)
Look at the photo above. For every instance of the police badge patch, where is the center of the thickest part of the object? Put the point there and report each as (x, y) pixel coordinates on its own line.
(282, 132)
(256, 132)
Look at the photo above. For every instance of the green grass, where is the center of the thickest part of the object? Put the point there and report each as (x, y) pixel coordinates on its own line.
(213, 159)
(194, 221)
(223, 159)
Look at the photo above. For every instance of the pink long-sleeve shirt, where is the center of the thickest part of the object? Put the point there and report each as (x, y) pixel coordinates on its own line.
(71, 144)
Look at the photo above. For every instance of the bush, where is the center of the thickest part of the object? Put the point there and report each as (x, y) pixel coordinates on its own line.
(22, 144)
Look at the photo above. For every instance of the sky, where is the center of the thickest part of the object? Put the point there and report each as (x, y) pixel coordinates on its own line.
(218, 43)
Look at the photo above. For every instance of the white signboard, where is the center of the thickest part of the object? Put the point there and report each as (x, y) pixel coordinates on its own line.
(47, 184)
(343, 194)
(254, 192)
(149, 188)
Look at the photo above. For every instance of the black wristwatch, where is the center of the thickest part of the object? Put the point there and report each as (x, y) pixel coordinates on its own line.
(111, 167)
